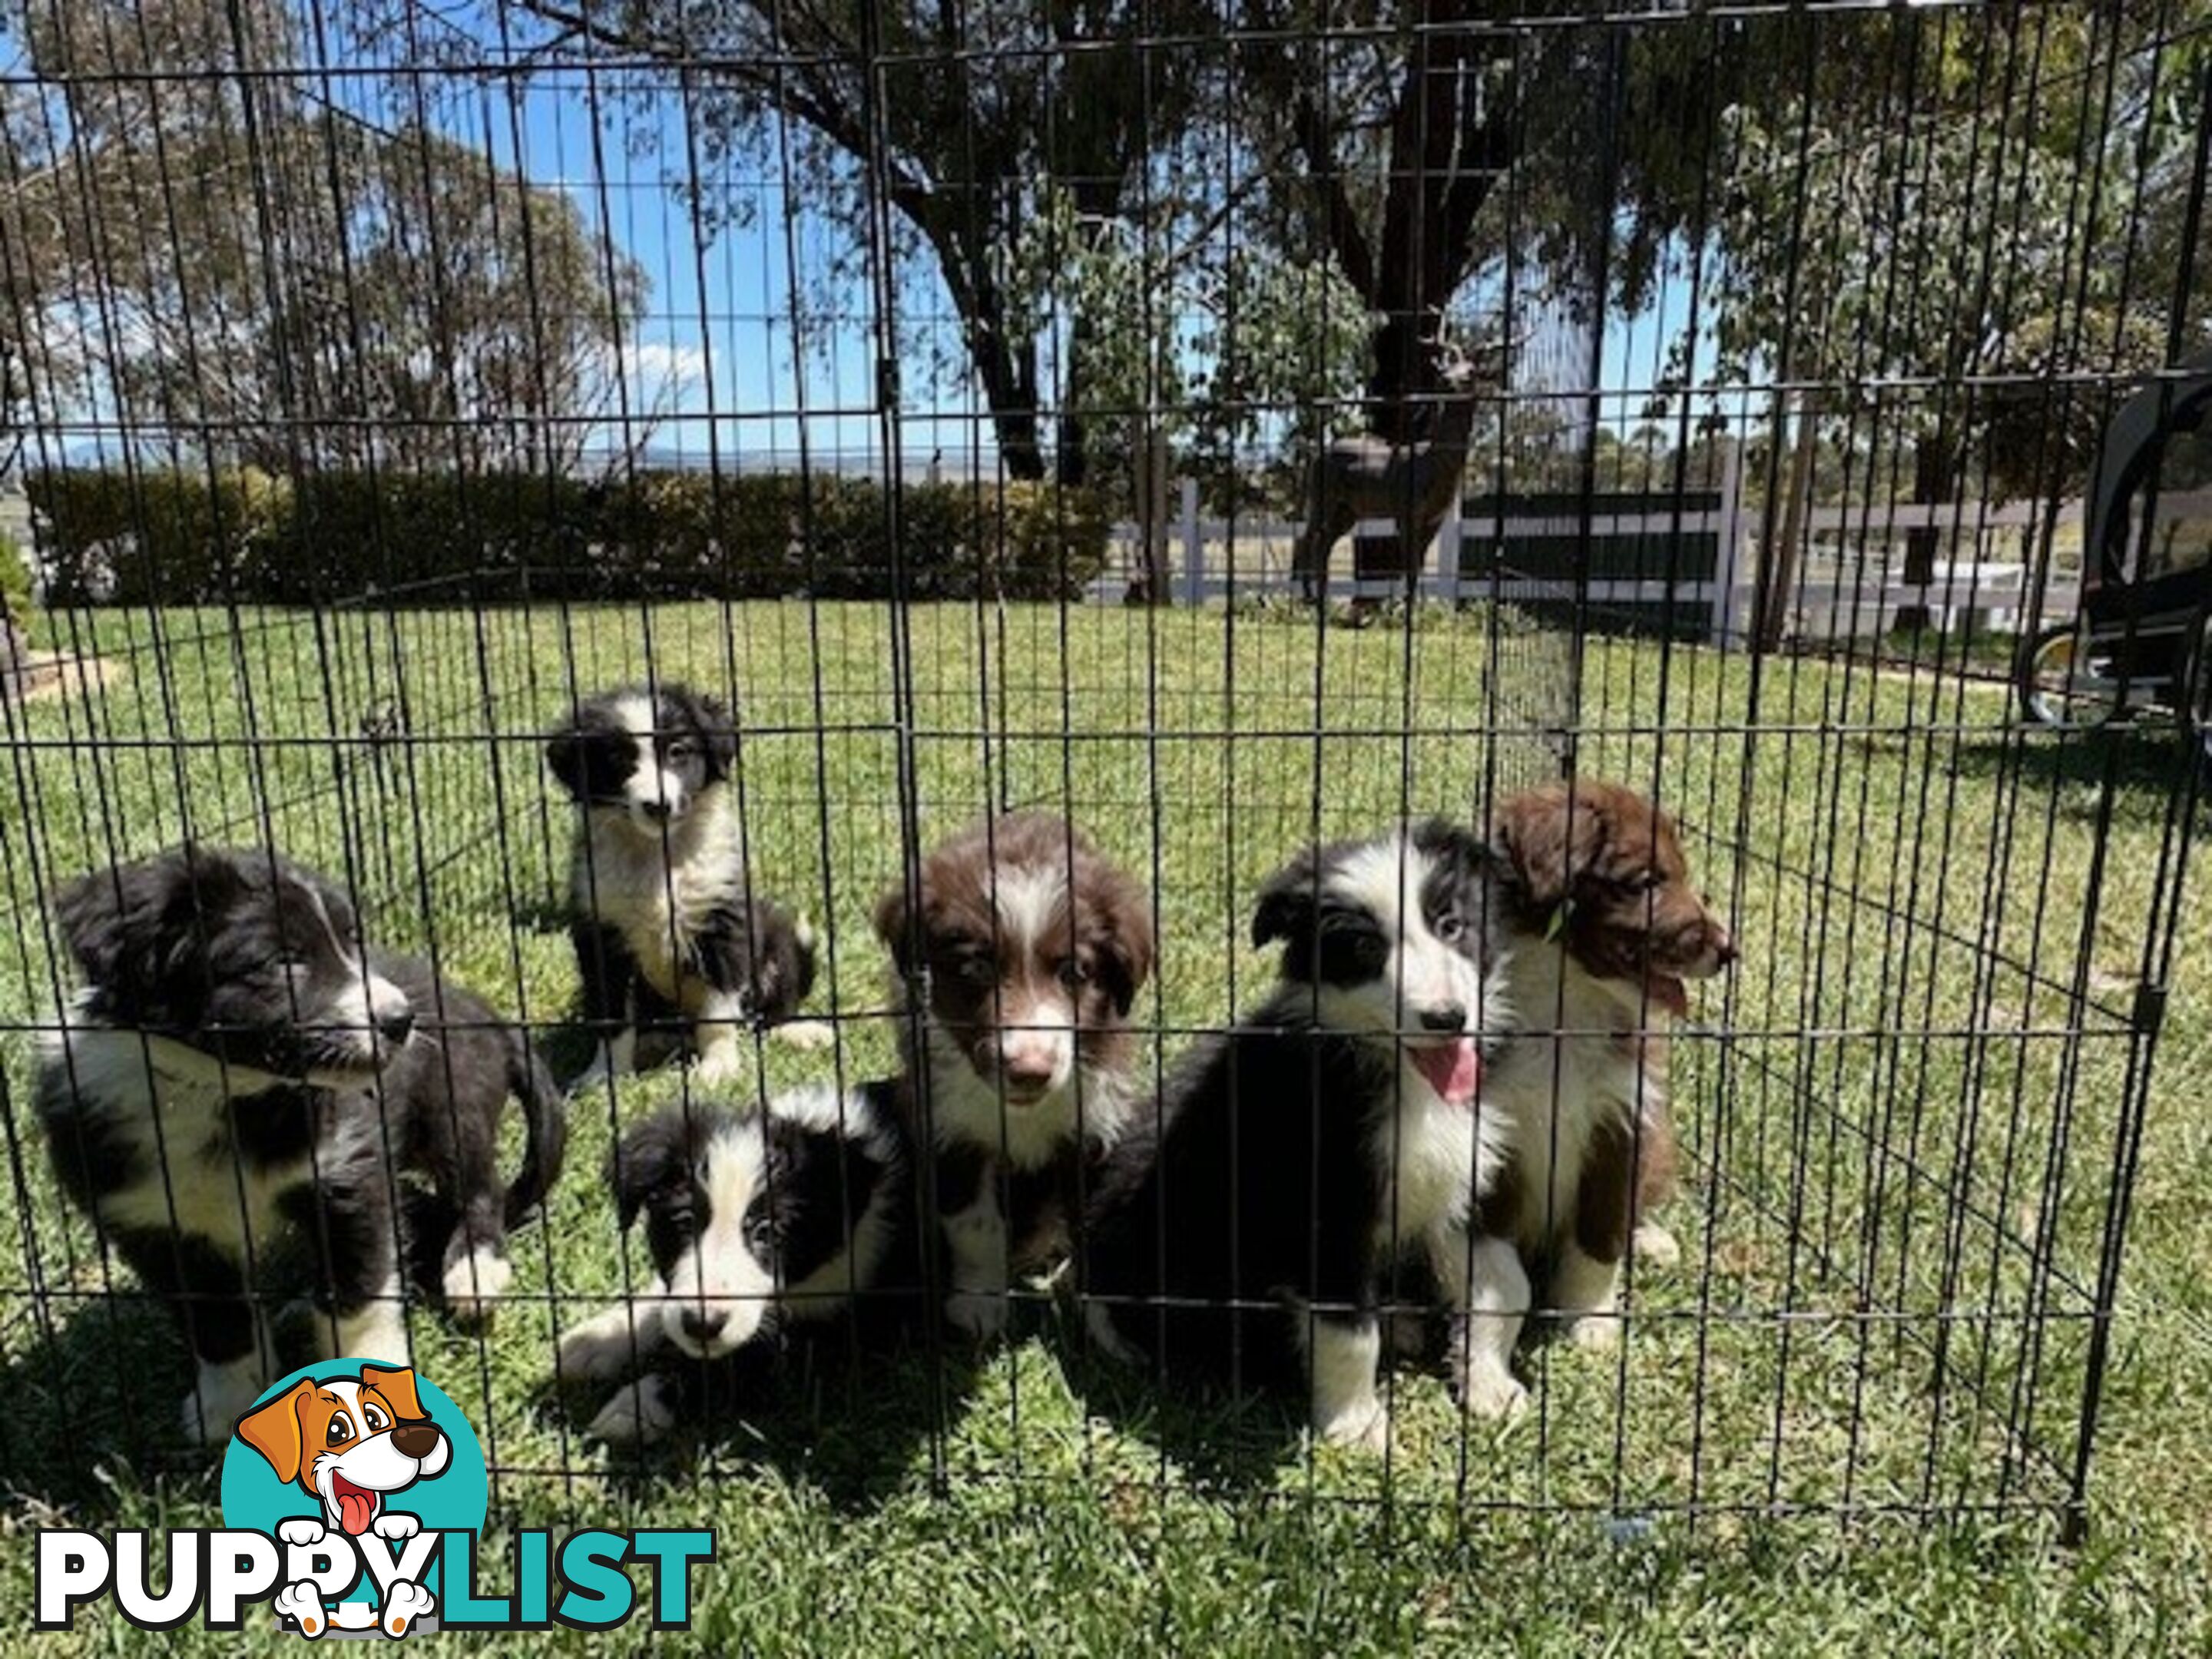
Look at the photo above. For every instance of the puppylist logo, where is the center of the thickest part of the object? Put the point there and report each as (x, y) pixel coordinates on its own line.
(353, 1500)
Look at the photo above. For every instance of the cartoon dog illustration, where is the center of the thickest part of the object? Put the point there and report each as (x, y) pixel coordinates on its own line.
(348, 1442)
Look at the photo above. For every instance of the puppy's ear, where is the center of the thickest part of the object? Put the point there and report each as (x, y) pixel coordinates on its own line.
(646, 1160)
(891, 925)
(1286, 910)
(564, 758)
(1126, 948)
(94, 914)
(397, 1387)
(1453, 845)
(138, 926)
(1552, 839)
(717, 732)
(273, 1431)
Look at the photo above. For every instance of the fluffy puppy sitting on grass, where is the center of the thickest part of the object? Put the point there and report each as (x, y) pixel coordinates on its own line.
(668, 931)
(1328, 1149)
(1607, 928)
(232, 1095)
(1024, 949)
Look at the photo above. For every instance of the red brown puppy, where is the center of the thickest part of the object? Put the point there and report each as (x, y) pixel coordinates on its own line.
(1609, 927)
(1029, 949)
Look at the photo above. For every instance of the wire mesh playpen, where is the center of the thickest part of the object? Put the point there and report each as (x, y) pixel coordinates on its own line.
(384, 377)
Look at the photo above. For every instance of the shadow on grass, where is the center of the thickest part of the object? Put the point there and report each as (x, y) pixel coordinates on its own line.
(1222, 1442)
(542, 915)
(96, 1409)
(2145, 761)
(855, 1412)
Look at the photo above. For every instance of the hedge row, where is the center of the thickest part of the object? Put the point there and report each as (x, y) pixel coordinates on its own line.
(182, 537)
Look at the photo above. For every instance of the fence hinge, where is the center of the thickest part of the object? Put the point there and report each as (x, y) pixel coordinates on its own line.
(2149, 1011)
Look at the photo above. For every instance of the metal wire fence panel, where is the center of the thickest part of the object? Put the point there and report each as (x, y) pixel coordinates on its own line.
(1711, 400)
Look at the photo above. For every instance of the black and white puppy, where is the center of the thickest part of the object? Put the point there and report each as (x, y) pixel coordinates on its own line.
(1027, 947)
(757, 1221)
(230, 1093)
(1303, 1167)
(667, 929)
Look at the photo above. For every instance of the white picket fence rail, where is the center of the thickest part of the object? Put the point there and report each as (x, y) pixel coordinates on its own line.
(1850, 585)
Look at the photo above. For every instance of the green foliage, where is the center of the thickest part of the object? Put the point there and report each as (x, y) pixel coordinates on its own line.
(413, 304)
(14, 583)
(178, 537)
(1987, 198)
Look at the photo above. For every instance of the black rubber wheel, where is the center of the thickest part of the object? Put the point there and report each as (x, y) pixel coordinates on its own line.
(2057, 687)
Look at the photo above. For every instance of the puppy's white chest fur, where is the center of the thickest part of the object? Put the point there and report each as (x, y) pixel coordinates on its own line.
(1436, 1156)
(658, 903)
(175, 1115)
(1556, 1085)
(1090, 1109)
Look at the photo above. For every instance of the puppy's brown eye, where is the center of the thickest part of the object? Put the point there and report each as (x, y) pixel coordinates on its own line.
(341, 1430)
(978, 971)
(1074, 973)
(1450, 926)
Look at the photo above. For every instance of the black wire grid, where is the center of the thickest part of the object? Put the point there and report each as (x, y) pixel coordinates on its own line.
(1911, 1116)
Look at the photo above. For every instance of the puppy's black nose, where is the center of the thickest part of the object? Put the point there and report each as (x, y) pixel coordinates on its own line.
(702, 1324)
(415, 1440)
(396, 1029)
(1725, 952)
(1444, 1016)
(655, 810)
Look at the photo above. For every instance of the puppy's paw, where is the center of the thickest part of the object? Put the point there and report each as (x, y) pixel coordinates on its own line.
(1595, 1333)
(640, 1414)
(405, 1606)
(719, 1067)
(474, 1284)
(1364, 1426)
(981, 1315)
(607, 1345)
(300, 1529)
(1655, 1246)
(396, 1523)
(807, 1035)
(302, 1603)
(1492, 1391)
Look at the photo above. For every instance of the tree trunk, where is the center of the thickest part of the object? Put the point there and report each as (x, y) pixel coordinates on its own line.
(1153, 464)
(1778, 564)
(1932, 476)
(1012, 397)
(1071, 456)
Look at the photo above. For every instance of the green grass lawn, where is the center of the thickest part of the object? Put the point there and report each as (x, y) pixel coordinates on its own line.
(1902, 1111)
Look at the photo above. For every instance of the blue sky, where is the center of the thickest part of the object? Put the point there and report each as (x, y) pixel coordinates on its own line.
(714, 365)
(728, 345)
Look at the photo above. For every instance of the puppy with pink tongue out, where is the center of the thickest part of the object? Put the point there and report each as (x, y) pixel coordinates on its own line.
(1315, 1165)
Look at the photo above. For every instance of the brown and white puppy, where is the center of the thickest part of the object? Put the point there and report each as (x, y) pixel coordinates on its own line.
(1609, 927)
(1025, 949)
